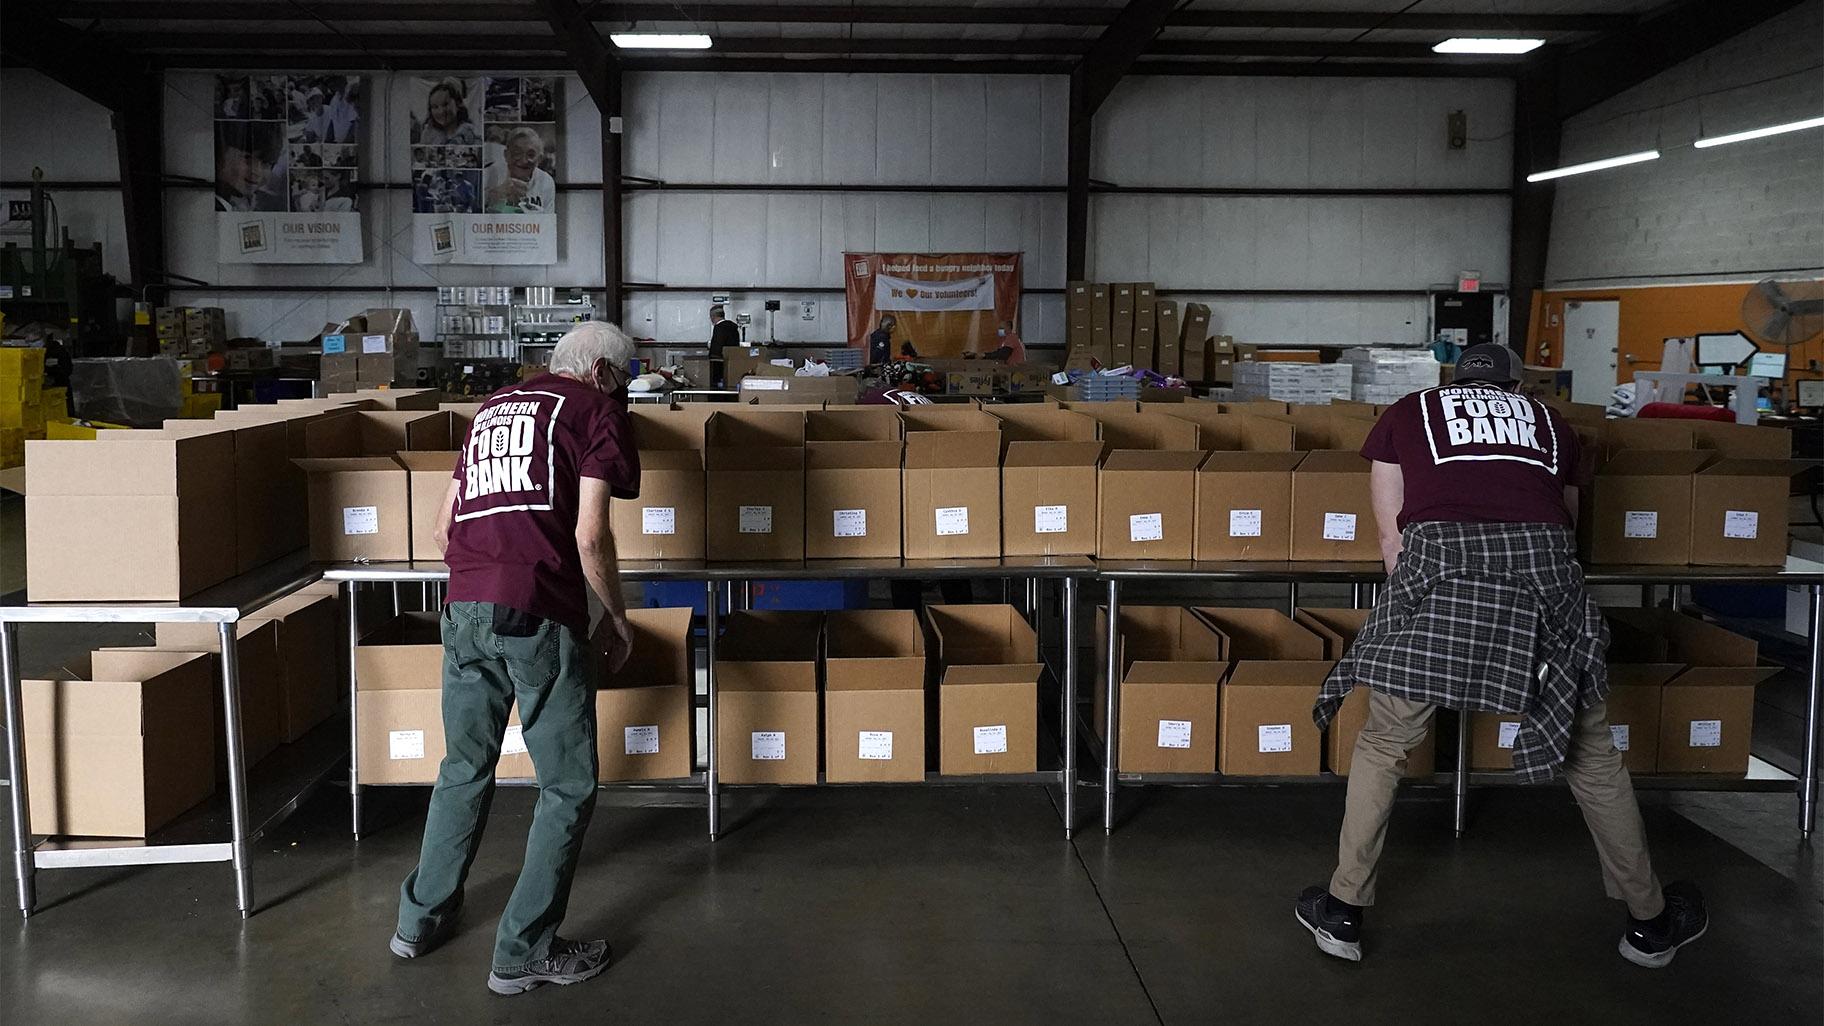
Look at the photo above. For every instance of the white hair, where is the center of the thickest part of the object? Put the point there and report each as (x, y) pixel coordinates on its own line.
(576, 353)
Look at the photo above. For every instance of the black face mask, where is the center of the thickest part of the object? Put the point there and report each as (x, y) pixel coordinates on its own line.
(620, 392)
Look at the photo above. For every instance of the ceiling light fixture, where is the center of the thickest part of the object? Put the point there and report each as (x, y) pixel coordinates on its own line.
(1471, 44)
(660, 40)
(1594, 165)
(1760, 133)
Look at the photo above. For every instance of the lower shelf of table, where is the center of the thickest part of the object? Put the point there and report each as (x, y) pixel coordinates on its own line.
(1761, 777)
(696, 782)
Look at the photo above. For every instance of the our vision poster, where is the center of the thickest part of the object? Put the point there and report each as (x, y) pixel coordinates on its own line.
(287, 162)
(484, 170)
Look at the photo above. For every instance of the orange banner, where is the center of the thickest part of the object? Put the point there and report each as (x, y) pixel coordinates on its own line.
(941, 304)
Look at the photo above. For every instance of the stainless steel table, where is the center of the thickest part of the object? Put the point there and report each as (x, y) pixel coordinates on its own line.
(223, 605)
(1796, 572)
(1067, 570)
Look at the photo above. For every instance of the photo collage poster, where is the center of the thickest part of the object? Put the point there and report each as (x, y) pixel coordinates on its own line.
(484, 169)
(287, 167)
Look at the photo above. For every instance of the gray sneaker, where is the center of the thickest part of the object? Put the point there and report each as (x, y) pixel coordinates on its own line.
(569, 962)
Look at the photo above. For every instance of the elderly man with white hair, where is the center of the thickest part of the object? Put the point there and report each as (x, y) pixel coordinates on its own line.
(524, 529)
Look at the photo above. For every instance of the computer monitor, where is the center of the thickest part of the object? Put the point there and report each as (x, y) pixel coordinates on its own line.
(1767, 365)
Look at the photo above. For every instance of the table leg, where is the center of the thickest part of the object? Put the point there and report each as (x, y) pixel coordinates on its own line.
(1111, 745)
(1355, 596)
(354, 696)
(1808, 778)
(1461, 784)
(1292, 599)
(1068, 613)
(711, 622)
(237, 764)
(24, 866)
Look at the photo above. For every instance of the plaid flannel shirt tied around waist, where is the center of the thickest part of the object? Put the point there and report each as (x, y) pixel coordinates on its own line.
(1489, 618)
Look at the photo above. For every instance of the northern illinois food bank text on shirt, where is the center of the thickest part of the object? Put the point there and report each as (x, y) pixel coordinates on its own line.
(1486, 424)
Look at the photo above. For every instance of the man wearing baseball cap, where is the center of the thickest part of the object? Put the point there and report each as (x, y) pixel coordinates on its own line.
(1485, 609)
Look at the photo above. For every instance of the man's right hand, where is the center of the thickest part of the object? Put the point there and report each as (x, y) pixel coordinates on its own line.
(613, 640)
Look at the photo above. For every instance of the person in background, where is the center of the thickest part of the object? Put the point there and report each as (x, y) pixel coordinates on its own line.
(245, 152)
(516, 184)
(1474, 493)
(880, 341)
(722, 334)
(524, 528)
(1008, 347)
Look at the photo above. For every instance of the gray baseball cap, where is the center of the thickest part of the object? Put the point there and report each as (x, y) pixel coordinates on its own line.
(1488, 361)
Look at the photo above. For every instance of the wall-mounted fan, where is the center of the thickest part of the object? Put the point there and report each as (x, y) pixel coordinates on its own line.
(1784, 312)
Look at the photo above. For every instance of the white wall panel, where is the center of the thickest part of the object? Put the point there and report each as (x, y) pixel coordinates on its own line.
(742, 135)
(46, 125)
(904, 149)
(1016, 156)
(640, 236)
(687, 125)
(738, 239)
(685, 239)
(902, 223)
(850, 119)
(958, 132)
(795, 129)
(959, 223)
(794, 239)
(1335, 131)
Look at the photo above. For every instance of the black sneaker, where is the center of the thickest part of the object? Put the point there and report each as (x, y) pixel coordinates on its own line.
(429, 942)
(569, 962)
(1651, 943)
(1336, 927)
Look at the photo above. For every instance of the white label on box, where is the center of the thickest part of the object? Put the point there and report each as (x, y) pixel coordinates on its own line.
(1244, 523)
(1174, 733)
(876, 744)
(1145, 527)
(1339, 526)
(756, 520)
(659, 520)
(514, 742)
(1739, 523)
(1275, 737)
(1050, 519)
(1509, 730)
(1706, 733)
(754, 384)
(360, 520)
(1618, 733)
(641, 740)
(769, 745)
(373, 343)
(1640, 523)
(991, 740)
(952, 520)
(405, 744)
(851, 523)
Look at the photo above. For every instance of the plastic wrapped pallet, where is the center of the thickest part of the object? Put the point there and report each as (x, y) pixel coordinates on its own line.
(1386, 375)
(140, 392)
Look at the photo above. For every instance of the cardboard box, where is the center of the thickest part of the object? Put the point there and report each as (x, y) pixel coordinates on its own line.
(399, 704)
(874, 696)
(767, 390)
(1638, 510)
(1219, 430)
(384, 432)
(1491, 740)
(415, 399)
(262, 679)
(951, 484)
(739, 363)
(1101, 316)
(122, 754)
(1266, 718)
(666, 521)
(1244, 506)
(1169, 717)
(1740, 512)
(260, 467)
(754, 497)
(1151, 634)
(1626, 435)
(428, 477)
(1048, 496)
(1706, 719)
(766, 678)
(1635, 690)
(1665, 636)
(1146, 504)
(462, 417)
(851, 484)
(644, 714)
(988, 691)
(307, 428)
(360, 509)
(338, 372)
(1744, 440)
(1261, 634)
(1125, 426)
(149, 518)
(1193, 345)
(1167, 336)
(1332, 511)
(300, 676)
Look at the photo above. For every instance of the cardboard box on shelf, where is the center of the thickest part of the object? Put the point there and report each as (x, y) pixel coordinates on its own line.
(1244, 506)
(754, 497)
(399, 708)
(1049, 491)
(1146, 503)
(1706, 719)
(1169, 717)
(1332, 513)
(1154, 634)
(1635, 691)
(1168, 332)
(1626, 434)
(123, 753)
(766, 676)
(874, 696)
(644, 715)
(360, 509)
(1639, 508)
(147, 518)
(851, 483)
(766, 390)
(739, 363)
(428, 477)
(1668, 636)
(1266, 718)
(260, 489)
(988, 689)
(261, 675)
(666, 521)
(1193, 342)
(1491, 741)
(951, 486)
(309, 674)
(1261, 634)
(1740, 512)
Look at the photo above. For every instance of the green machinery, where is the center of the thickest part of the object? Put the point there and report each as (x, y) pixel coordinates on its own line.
(62, 286)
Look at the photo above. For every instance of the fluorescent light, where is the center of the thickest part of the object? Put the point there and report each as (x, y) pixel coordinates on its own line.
(1594, 165)
(660, 40)
(1470, 44)
(1760, 133)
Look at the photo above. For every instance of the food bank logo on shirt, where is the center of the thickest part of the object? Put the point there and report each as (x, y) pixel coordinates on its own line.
(1487, 424)
(507, 465)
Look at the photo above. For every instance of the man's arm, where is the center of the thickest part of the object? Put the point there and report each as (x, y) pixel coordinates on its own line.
(601, 567)
(446, 514)
(1387, 489)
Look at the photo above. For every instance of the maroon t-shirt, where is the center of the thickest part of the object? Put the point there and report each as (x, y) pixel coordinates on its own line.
(513, 536)
(1479, 454)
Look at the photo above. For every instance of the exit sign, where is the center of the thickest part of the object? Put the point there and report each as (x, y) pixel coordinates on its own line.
(1469, 281)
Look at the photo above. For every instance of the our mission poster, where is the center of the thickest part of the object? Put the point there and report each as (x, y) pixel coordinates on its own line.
(484, 170)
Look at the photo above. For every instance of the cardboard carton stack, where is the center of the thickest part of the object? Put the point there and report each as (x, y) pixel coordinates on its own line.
(24, 410)
(1384, 376)
(988, 689)
(1129, 324)
(1194, 343)
(766, 677)
(185, 332)
(375, 348)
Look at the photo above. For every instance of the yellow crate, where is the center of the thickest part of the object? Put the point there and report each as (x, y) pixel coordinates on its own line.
(12, 447)
(202, 405)
(56, 401)
(24, 363)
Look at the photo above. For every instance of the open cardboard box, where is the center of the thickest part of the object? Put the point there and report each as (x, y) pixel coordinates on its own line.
(644, 715)
(988, 689)
(1147, 501)
(874, 696)
(1338, 628)
(766, 681)
(952, 483)
(1706, 719)
(1332, 510)
(1639, 507)
(1741, 512)
(428, 476)
(261, 467)
(1153, 634)
(399, 708)
(1244, 506)
(1048, 481)
(851, 484)
(1266, 717)
(1635, 692)
(360, 509)
(755, 491)
(666, 521)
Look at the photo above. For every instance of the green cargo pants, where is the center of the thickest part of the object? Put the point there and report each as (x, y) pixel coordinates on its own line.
(551, 676)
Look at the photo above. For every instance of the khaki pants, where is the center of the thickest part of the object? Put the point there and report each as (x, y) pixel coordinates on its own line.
(1592, 767)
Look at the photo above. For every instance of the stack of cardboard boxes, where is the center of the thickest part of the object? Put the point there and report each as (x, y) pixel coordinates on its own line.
(372, 349)
(186, 332)
(25, 406)
(1385, 376)
(1129, 324)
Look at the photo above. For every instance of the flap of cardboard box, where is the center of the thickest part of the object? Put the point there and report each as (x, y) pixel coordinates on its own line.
(666, 429)
(1663, 635)
(857, 424)
(115, 702)
(874, 650)
(429, 462)
(1222, 462)
(1280, 672)
(981, 634)
(852, 455)
(1179, 460)
(1042, 422)
(754, 439)
(141, 463)
(1642, 675)
(1220, 430)
(1333, 461)
(1052, 454)
(349, 465)
(1746, 440)
(1147, 430)
(1186, 672)
(928, 449)
(687, 460)
(1269, 407)
(1722, 676)
(771, 636)
(1262, 633)
(1736, 466)
(384, 431)
(663, 651)
(1654, 463)
(992, 673)
(1338, 627)
(1164, 633)
(1624, 434)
